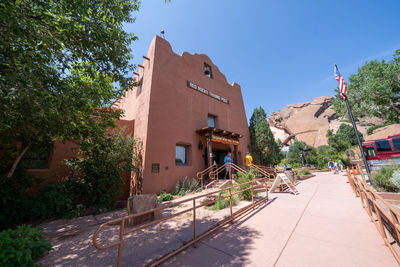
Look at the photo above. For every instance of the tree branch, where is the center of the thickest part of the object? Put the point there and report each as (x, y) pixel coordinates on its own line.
(17, 160)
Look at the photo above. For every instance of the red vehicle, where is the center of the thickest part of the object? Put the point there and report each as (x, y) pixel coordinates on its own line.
(383, 151)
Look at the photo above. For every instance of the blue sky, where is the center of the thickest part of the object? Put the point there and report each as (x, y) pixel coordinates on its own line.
(280, 52)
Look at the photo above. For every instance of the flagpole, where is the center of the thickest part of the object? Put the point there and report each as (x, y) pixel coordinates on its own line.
(358, 137)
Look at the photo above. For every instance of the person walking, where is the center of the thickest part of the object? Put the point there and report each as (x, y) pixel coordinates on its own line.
(330, 165)
(248, 160)
(227, 161)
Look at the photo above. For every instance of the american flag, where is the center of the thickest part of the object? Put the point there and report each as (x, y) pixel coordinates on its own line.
(342, 84)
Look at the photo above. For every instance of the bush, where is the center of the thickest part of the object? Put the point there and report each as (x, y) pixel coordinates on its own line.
(395, 180)
(186, 185)
(243, 178)
(224, 202)
(17, 206)
(20, 247)
(303, 172)
(382, 179)
(59, 199)
(103, 158)
(165, 197)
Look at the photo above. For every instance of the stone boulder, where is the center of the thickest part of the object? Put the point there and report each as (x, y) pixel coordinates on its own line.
(142, 203)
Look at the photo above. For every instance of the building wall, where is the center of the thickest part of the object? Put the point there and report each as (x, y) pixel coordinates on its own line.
(168, 112)
(57, 170)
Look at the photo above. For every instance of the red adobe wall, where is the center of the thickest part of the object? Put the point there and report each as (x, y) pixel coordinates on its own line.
(57, 170)
(174, 112)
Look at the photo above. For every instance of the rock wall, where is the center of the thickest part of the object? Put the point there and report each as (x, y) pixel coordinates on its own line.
(310, 121)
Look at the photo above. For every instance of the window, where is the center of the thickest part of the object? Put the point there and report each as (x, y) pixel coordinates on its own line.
(382, 146)
(396, 143)
(36, 158)
(370, 152)
(211, 121)
(207, 70)
(181, 155)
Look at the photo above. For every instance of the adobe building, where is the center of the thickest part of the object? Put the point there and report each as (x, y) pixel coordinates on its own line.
(186, 114)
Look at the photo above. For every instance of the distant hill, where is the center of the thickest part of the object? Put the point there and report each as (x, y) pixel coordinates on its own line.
(310, 121)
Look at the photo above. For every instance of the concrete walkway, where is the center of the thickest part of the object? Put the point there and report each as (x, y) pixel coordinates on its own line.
(323, 226)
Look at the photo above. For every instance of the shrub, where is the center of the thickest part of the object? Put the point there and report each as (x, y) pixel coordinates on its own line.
(224, 202)
(59, 199)
(165, 197)
(243, 178)
(382, 179)
(103, 158)
(395, 180)
(303, 172)
(20, 247)
(186, 185)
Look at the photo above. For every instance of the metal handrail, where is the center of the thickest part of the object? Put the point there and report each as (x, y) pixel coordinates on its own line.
(381, 219)
(200, 175)
(121, 221)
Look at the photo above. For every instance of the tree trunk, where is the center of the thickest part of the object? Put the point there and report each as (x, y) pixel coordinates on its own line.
(17, 160)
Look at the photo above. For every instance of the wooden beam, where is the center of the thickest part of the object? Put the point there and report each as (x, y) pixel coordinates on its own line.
(141, 66)
(136, 73)
(146, 58)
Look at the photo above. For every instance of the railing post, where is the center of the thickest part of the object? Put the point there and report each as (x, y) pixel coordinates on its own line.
(194, 222)
(121, 239)
(202, 176)
(252, 194)
(230, 200)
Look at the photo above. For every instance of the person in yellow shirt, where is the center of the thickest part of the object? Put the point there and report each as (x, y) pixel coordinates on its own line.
(248, 160)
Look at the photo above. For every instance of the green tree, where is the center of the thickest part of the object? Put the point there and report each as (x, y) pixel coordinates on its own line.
(102, 160)
(344, 138)
(294, 158)
(59, 62)
(263, 144)
(374, 90)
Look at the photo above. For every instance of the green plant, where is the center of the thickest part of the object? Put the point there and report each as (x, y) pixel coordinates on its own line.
(186, 185)
(225, 201)
(382, 179)
(395, 180)
(103, 158)
(244, 178)
(165, 197)
(20, 247)
(59, 199)
(303, 172)
(265, 149)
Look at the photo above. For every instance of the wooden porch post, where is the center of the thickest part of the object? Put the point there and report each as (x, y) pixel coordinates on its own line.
(209, 151)
(235, 156)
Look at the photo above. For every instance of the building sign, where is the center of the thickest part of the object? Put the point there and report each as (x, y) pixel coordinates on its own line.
(223, 140)
(206, 92)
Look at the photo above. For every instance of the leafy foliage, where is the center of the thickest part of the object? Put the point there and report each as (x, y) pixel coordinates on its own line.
(20, 247)
(225, 201)
(59, 62)
(165, 197)
(374, 90)
(103, 158)
(267, 151)
(344, 138)
(382, 179)
(395, 180)
(186, 185)
(304, 172)
(244, 178)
